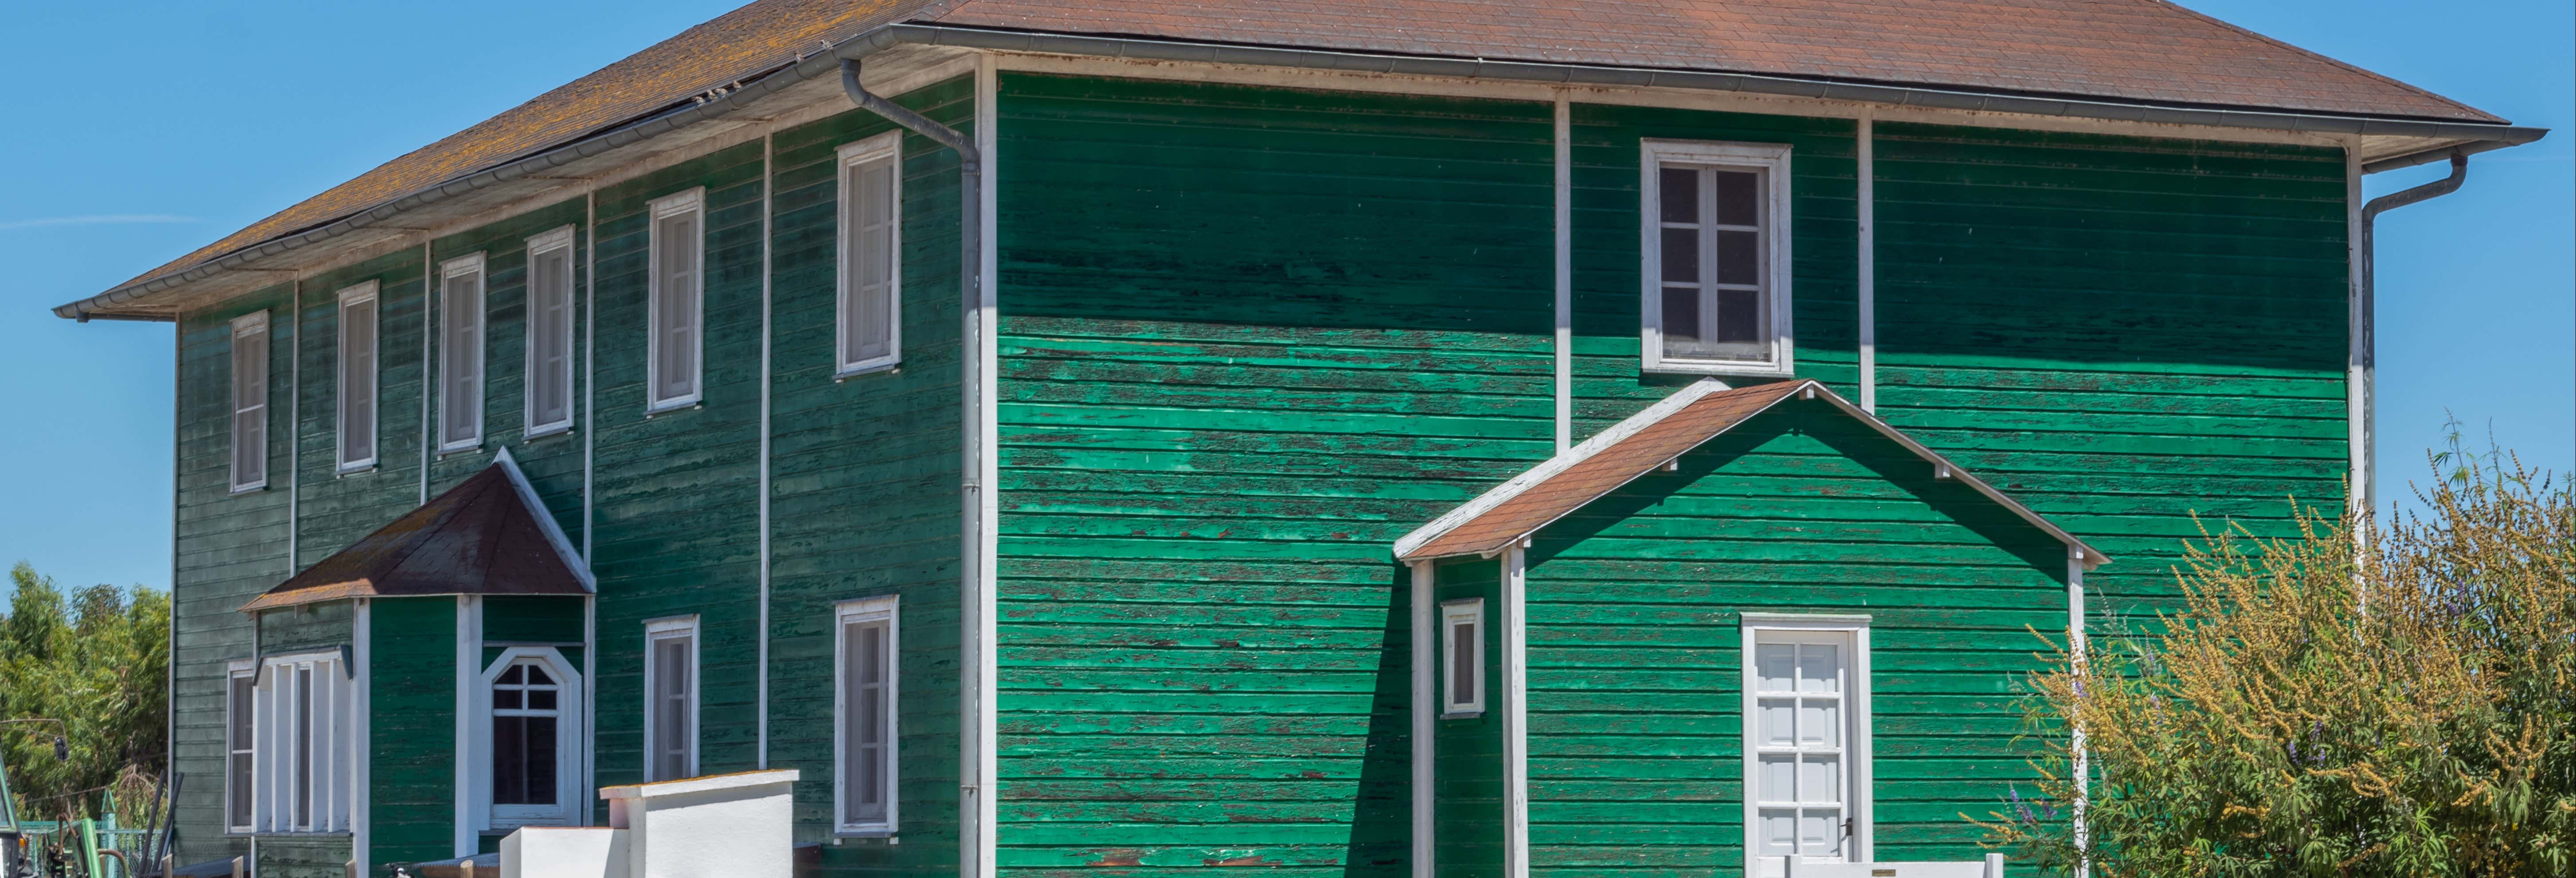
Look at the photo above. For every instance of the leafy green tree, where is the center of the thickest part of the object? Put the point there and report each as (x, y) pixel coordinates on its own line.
(2392, 702)
(99, 663)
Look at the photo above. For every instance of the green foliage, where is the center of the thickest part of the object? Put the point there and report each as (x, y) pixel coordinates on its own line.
(98, 662)
(2388, 703)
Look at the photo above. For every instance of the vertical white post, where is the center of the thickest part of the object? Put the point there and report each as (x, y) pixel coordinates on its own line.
(2358, 375)
(428, 363)
(2075, 651)
(1426, 714)
(1564, 274)
(1515, 715)
(982, 837)
(469, 677)
(294, 425)
(362, 650)
(589, 449)
(1867, 176)
(760, 697)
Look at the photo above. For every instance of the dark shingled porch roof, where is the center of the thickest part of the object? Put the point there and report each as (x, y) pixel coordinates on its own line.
(489, 535)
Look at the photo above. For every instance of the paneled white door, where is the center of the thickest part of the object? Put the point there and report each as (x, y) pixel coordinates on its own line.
(1801, 737)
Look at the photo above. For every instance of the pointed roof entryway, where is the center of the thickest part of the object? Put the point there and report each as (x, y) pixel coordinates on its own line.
(488, 535)
(1649, 440)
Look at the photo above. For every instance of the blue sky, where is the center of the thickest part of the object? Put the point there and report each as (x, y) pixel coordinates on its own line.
(144, 130)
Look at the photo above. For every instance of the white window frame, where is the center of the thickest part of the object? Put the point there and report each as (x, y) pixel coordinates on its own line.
(1772, 160)
(845, 614)
(655, 632)
(569, 740)
(237, 672)
(557, 239)
(449, 362)
(364, 293)
(1854, 632)
(692, 201)
(280, 684)
(888, 145)
(1463, 611)
(248, 413)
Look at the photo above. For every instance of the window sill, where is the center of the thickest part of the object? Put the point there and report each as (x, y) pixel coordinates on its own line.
(1463, 714)
(685, 405)
(460, 450)
(863, 832)
(894, 367)
(247, 489)
(354, 470)
(547, 433)
(1719, 367)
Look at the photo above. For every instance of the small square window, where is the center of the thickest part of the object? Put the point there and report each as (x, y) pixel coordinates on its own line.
(1715, 259)
(1462, 663)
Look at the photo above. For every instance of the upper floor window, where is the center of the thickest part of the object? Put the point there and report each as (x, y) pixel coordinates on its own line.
(676, 300)
(460, 353)
(1716, 247)
(871, 283)
(671, 699)
(250, 402)
(550, 312)
(357, 377)
(291, 745)
(529, 773)
(867, 657)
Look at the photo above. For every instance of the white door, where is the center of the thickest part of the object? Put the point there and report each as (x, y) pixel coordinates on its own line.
(1800, 740)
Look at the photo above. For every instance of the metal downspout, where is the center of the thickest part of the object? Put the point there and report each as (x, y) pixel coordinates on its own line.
(2367, 345)
(975, 832)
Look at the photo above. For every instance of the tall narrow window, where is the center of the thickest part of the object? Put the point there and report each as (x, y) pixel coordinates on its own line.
(1462, 626)
(671, 699)
(242, 683)
(550, 310)
(871, 333)
(1716, 257)
(676, 300)
(291, 715)
(250, 402)
(1806, 742)
(460, 353)
(867, 659)
(357, 375)
(530, 770)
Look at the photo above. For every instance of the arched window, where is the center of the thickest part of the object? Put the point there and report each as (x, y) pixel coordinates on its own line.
(532, 717)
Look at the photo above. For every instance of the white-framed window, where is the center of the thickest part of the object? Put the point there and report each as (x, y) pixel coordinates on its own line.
(356, 418)
(864, 716)
(460, 353)
(871, 279)
(676, 301)
(241, 766)
(1715, 220)
(295, 713)
(1462, 657)
(528, 773)
(548, 393)
(1806, 740)
(671, 698)
(250, 402)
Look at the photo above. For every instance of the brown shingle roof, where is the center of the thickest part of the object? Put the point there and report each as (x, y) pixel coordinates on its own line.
(488, 535)
(1635, 447)
(2123, 50)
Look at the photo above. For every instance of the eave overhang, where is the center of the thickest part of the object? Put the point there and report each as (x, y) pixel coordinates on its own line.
(1515, 511)
(2402, 142)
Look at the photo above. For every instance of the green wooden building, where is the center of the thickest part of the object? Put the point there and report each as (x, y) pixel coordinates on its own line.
(1132, 438)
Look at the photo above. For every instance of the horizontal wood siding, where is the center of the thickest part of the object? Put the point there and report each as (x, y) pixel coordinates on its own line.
(863, 480)
(1467, 752)
(531, 619)
(2118, 332)
(306, 627)
(677, 493)
(1636, 728)
(1609, 383)
(411, 729)
(1249, 337)
(230, 548)
(304, 857)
